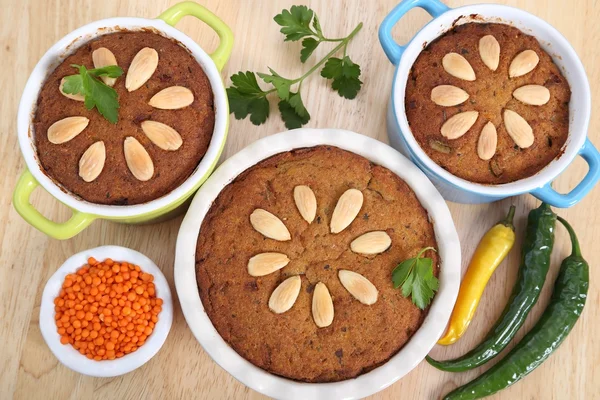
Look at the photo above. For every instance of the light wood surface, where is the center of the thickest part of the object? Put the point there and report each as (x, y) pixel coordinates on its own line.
(28, 370)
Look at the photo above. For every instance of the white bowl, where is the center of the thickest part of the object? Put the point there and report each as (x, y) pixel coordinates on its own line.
(399, 365)
(70, 357)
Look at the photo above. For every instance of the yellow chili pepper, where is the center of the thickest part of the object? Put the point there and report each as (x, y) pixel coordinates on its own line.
(492, 249)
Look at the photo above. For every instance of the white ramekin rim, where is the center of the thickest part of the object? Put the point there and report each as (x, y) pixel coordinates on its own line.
(70, 357)
(552, 41)
(65, 46)
(378, 379)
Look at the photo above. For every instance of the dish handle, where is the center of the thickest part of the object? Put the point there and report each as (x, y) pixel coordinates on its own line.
(64, 230)
(393, 50)
(220, 56)
(592, 157)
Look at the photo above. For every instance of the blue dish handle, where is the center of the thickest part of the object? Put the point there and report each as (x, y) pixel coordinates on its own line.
(393, 50)
(589, 153)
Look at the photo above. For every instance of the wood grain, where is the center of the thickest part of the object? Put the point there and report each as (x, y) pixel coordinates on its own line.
(182, 369)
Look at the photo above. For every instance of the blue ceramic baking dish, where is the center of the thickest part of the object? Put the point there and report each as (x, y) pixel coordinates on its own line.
(460, 190)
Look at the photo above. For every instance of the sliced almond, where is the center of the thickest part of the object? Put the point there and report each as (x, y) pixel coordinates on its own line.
(322, 306)
(269, 225)
(458, 66)
(66, 129)
(448, 95)
(488, 140)
(284, 296)
(371, 243)
(77, 97)
(92, 161)
(103, 57)
(162, 135)
(518, 129)
(138, 160)
(346, 209)
(141, 69)
(534, 95)
(172, 98)
(266, 263)
(306, 202)
(523, 63)
(459, 124)
(360, 287)
(489, 51)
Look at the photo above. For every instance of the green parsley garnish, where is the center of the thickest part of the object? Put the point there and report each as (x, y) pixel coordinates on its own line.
(345, 76)
(97, 93)
(415, 276)
(246, 98)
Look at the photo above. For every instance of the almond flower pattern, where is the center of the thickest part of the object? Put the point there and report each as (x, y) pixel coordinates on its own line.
(517, 127)
(138, 160)
(285, 294)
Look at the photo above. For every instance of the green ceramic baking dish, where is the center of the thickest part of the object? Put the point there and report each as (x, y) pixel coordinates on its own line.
(84, 213)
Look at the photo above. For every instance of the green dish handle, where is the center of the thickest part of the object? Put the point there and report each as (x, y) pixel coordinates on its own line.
(180, 10)
(65, 230)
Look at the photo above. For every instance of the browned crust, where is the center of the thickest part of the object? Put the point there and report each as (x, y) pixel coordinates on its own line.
(290, 345)
(116, 185)
(490, 94)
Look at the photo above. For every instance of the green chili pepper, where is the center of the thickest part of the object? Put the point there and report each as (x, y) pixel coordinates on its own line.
(535, 261)
(566, 305)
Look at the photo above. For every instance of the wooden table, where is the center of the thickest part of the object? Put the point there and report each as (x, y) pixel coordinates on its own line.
(182, 369)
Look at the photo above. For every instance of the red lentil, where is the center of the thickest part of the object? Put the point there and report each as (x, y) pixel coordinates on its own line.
(107, 309)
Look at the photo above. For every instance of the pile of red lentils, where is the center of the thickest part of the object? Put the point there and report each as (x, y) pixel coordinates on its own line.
(107, 309)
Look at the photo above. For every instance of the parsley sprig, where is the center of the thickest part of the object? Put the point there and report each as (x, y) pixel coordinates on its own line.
(96, 93)
(247, 98)
(415, 276)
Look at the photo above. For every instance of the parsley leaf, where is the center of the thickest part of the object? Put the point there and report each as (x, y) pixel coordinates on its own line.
(421, 293)
(96, 93)
(293, 112)
(246, 83)
(247, 98)
(281, 84)
(402, 272)
(242, 105)
(99, 95)
(317, 26)
(258, 110)
(111, 71)
(407, 285)
(295, 22)
(345, 76)
(415, 276)
(73, 84)
(308, 46)
(296, 102)
(433, 283)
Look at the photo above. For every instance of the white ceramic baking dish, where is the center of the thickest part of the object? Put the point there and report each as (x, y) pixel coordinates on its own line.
(364, 385)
